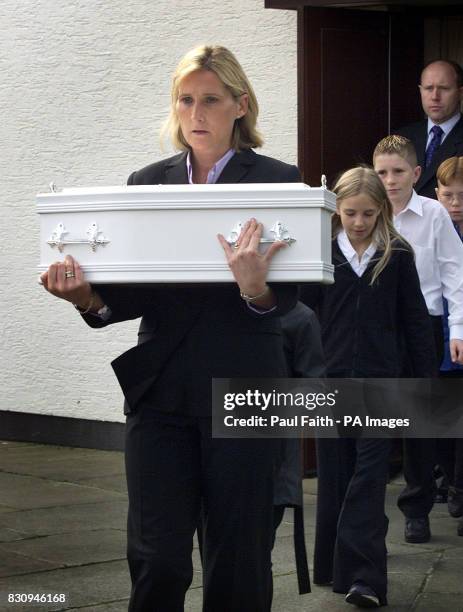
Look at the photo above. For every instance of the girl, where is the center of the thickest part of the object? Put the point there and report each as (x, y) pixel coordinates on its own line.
(375, 302)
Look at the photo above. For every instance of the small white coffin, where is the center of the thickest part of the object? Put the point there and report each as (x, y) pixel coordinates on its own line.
(168, 233)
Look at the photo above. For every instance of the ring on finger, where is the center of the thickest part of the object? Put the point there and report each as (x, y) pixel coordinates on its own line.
(69, 274)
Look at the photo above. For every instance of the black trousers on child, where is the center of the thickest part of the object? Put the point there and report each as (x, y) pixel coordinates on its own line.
(450, 450)
(351, 524)
(175, 468)
(417, 498)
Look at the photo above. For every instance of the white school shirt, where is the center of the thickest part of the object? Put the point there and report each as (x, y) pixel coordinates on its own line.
(358, 265)
(439, 256)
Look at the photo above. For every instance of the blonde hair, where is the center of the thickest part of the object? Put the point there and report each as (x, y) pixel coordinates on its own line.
(364, 180)
(226, 67)
(398, 145)
(450, 170)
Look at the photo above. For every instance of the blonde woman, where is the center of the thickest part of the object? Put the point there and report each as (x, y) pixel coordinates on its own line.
(189, 335)
(374, 302)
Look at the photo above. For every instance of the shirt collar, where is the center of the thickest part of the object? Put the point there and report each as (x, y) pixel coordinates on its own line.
(215, 171)
(348, 250)
(414, 204)
(447, 126)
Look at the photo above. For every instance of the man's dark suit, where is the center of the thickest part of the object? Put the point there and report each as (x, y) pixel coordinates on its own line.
(188, 335)
(452, 145)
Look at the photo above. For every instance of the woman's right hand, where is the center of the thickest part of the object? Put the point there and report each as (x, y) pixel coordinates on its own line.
(66, 280)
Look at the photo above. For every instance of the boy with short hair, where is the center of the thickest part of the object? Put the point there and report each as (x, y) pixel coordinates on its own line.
(450, 451)
(439, 261)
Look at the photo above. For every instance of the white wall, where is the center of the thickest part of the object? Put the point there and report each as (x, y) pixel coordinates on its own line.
(84, 90)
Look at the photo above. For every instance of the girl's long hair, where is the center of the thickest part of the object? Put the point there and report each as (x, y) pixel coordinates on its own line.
(364, 180)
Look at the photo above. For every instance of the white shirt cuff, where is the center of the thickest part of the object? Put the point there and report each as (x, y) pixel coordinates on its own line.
(456, 332)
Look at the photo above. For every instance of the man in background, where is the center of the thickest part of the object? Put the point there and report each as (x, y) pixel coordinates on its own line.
(440, 135)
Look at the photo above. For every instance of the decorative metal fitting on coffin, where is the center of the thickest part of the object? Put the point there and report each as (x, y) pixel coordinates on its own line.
(279, 231)
(95, 237)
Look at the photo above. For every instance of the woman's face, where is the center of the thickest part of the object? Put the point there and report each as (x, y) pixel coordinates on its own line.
(207, 112)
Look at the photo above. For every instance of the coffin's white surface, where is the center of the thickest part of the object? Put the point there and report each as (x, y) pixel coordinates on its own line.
(167, 233)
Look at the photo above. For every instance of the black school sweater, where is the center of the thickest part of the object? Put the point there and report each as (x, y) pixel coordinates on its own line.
(365, 328)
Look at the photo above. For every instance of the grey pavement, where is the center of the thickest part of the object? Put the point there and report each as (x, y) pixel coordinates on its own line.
(62, 533)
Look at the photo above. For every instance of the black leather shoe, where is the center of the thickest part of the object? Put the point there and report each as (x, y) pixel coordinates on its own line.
(417, 530)
(362, 595)
(455, 502)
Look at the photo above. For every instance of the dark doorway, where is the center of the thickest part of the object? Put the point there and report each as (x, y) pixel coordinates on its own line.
(344, 86)
(357, 76)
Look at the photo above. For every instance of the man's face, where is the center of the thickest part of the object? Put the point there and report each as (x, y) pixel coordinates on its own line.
(440, 96)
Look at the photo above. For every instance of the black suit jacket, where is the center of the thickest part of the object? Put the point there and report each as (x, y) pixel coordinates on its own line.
(452, 145)
(190, 334)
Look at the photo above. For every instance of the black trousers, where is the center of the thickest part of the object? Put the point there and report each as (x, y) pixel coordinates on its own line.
(351, 525)
(417, 498)
(175, 468)
(450, 450)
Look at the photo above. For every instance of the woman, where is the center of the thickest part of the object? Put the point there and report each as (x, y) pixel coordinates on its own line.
(188, 335)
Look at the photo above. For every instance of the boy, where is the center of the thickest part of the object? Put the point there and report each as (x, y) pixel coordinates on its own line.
(450, 451)
(439, 261)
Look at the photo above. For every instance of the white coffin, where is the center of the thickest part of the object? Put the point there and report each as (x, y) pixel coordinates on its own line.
(167, 233)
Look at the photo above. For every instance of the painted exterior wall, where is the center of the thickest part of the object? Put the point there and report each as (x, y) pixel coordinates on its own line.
(85, 89)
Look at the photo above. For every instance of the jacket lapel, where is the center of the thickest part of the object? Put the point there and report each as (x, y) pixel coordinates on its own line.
(446, 150)
(234, 172)
(238, 167)
(176, 172)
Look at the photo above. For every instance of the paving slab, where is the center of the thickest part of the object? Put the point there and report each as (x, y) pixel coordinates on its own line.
(12, 443)
(4, 509)
(67, 507)
(421, 564)
(72, 548)
(66, 519)
(287, 599)
(438, 602)
(447, 576)
(10, 535)
(60, 463)
(13, 564)
(113, 606)
(310, 486)
(194, 599)
(283, 559)
(111, 483)
(87, 585)
(21, 492)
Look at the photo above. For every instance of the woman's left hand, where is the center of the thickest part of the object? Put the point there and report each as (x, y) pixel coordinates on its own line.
(248, 265)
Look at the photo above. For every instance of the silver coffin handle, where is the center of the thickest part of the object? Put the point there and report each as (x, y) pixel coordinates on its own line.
(279, 231)
(95, 237)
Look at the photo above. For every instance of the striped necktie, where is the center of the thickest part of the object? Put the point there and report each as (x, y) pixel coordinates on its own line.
(437, 133)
